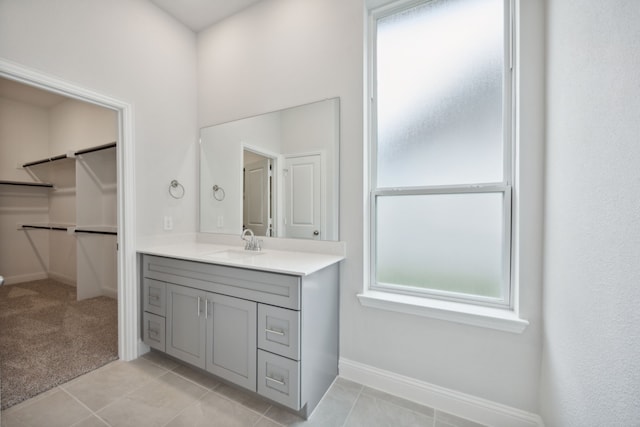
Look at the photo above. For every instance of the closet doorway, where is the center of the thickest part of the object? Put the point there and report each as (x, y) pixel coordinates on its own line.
(61, 215)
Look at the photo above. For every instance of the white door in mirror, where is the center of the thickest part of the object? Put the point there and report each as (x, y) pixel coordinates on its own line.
(303, 216)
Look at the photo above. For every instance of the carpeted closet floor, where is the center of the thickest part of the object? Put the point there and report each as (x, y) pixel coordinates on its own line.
(48, 338)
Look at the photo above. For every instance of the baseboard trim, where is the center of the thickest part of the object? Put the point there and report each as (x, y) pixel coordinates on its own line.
(21, 278)
(62, 278)
(108, 292)
(460, 404)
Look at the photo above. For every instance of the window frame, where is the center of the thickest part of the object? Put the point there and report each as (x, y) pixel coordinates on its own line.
(504, 187)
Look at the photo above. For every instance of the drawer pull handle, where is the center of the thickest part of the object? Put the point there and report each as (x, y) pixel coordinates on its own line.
(273, 331)
(198, 306)
(275, 380)
(206, 308)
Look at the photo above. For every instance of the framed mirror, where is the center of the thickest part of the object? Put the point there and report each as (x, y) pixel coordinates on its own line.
(276, 174)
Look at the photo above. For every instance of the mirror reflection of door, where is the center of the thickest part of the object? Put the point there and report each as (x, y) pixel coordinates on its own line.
(257, 199)
(303, 211)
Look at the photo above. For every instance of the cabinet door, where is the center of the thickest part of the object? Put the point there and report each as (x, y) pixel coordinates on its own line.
(154, 296)
(186, 324)
(153, 331)
(231, 339)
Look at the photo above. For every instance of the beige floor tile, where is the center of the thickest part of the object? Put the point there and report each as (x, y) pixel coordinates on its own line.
(57, 409)
(154, 404)
(371, 412)
(250, 400)
(407, 404)
(29, 401)
(160, 359)
(444, 419)
(204, 379)
(332, 411)
(266, 422)
(214, 410)
(92, 421)
(103, 386)
(9, 420)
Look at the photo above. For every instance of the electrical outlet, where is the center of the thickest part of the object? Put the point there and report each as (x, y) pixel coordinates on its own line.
(168, 223)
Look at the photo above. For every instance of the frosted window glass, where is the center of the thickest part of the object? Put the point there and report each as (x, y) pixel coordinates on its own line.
(439, 71)
(448, 242)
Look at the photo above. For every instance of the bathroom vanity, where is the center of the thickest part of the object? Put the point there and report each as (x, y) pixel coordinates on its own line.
(265, 321)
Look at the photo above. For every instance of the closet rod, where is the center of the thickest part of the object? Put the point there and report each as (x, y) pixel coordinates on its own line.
(49, 159)
(27, 184)
(45, 227)
(111, 233)
(98, 148)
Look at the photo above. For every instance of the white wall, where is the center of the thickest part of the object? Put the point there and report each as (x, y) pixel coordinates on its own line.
(73, 125)
(281, 53)
(133, 52)
(221, 163)
(24, 136)
(591, 368)
(76, 125)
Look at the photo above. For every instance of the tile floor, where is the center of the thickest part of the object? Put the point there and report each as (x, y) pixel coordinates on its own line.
(156, 391)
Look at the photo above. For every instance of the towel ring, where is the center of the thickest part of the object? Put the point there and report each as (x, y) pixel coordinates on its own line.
(176, 190)
(218, 193)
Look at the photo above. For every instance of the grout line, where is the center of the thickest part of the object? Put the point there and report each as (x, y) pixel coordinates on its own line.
(404, 408)
(86, 407)
(184, 409)
(353, 406)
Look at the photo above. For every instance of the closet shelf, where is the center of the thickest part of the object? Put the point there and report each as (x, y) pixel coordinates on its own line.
(70, 155)
(47, 160)
(27, 184)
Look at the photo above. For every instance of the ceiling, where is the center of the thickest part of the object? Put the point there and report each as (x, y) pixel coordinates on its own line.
(200, 14)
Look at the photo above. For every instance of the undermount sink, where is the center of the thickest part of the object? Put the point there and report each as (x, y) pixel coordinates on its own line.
(235, 254)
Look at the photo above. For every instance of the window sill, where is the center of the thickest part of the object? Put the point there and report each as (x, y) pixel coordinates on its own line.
(484, 317)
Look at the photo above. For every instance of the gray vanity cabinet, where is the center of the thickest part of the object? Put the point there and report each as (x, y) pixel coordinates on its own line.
(274, 334)
(231, 339)
(154, 315)
(186, 324)
(213, 332)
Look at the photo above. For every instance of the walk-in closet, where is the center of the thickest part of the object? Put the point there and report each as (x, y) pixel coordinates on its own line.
(58, 239)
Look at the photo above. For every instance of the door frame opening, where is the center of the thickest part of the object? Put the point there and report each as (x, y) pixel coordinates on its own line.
(128, 310)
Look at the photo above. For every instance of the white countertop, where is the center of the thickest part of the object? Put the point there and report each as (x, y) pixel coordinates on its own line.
(278, 261)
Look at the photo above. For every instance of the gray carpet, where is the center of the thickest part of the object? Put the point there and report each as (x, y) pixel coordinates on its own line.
(48, 338)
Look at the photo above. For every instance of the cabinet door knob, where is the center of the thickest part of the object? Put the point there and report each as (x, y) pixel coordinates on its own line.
(316, 232)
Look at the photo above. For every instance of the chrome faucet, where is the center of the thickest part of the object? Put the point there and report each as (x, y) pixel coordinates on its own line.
(251, 243)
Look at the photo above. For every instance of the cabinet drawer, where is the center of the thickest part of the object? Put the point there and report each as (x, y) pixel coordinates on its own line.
(279, 331)
(153, 333)
(155, 297)
(260, 286)
(279, 379)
